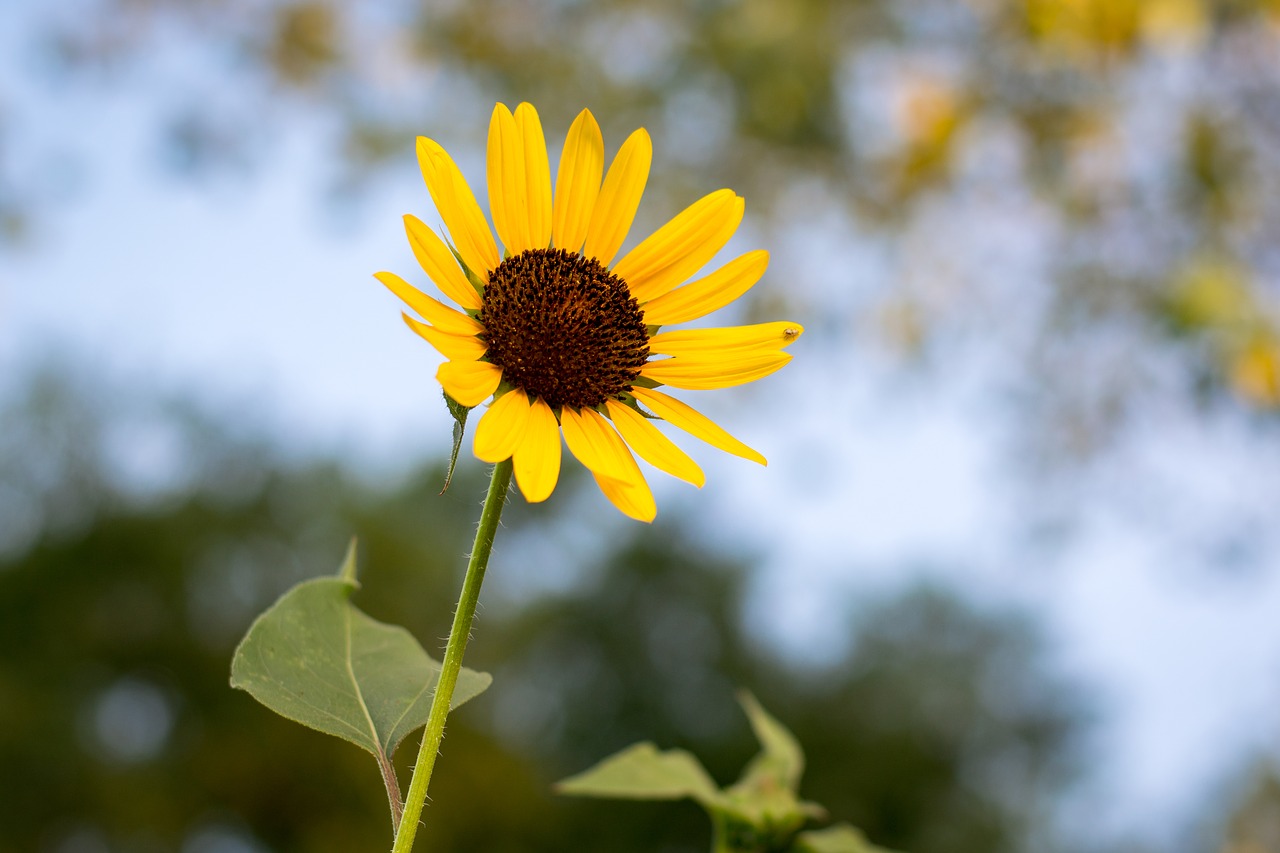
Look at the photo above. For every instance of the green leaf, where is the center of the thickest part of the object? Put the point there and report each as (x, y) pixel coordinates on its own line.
(765, 797)
(759, 812)
(841, 838)
(641, 772)
(316, 659)
(781, 760)
(459, 413)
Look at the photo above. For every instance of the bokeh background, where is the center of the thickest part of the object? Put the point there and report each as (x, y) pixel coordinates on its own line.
(1012, 574)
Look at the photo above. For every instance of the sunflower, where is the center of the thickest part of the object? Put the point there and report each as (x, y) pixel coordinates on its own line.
(565, 339)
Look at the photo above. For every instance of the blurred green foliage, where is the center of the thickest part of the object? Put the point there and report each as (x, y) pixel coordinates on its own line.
(760, 813)
(936, 726)
(1119, 142)
(1133, 145)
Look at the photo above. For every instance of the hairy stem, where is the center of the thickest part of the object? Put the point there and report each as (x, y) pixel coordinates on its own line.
(458, 636)
(393, 789)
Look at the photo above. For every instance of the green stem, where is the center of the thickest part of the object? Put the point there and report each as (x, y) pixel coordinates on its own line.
(726, 839)
(720, 835)
(458, 636)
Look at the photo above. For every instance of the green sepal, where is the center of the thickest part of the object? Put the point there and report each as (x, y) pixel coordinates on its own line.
(476, 283)
(459, 413)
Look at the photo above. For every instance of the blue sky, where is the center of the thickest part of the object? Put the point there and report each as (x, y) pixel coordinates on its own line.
(248, 293)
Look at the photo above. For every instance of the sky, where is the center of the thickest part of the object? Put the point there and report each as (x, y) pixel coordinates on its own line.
(253, 294)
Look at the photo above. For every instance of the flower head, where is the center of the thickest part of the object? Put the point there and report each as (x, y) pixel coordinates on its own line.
(565, 339)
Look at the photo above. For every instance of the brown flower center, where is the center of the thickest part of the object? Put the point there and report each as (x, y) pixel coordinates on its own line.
(563, 328)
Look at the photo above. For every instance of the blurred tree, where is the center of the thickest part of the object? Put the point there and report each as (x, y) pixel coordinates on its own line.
(937, 728)
(1119, 142)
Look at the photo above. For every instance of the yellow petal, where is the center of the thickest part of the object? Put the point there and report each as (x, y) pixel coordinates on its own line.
(705, 374)
(508, 196)
(578, 182)
(654, 447)
(537, 459)
(730, 342)
(619, 198)
(451, 321)
(683, 246)
(694, 422)
(452, 347)
(709, 293)
(595, 444)
(537, 174)
(438, 263)
(632, 498)
(458, 208)
(469, 382)
(502, 427)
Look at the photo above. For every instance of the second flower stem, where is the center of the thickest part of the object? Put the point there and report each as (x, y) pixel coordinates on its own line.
(458, 636)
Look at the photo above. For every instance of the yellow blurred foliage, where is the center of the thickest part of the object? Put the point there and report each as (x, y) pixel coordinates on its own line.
(1081, 26)
(1081, 29)
(1175, 23)
(928, 111)
(1214, 298)
(1255, 372)
(1212, 293)
(927, 114)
